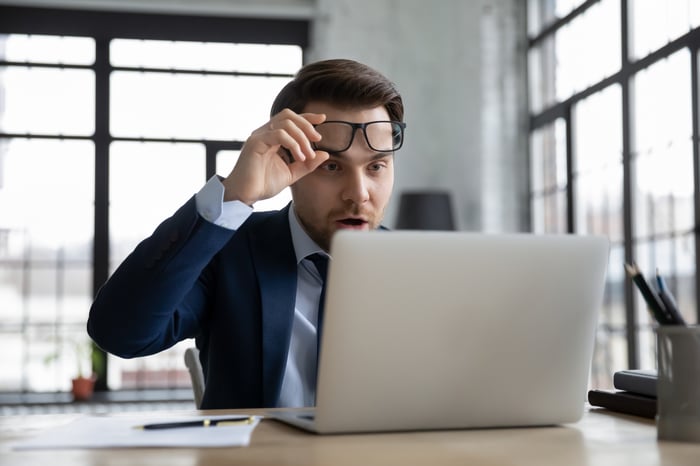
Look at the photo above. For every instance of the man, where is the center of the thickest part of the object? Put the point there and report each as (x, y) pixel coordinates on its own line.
(246, 285)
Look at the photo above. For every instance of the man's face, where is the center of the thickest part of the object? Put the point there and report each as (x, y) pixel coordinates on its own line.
(352, 188)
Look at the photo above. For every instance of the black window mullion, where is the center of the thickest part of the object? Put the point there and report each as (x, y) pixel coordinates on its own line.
(570, 198)
(213, 148)
(625, 83)
(100, 260)
(156, 26)
(696, 166)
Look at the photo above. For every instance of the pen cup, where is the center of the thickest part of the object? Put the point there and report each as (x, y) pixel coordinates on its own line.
(678, 390)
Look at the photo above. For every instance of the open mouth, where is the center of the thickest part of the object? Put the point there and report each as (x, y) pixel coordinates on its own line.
(352, 222)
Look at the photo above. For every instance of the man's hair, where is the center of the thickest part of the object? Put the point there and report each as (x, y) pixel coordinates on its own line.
(340, 82)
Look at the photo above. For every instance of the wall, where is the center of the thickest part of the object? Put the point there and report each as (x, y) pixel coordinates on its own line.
(461, 68)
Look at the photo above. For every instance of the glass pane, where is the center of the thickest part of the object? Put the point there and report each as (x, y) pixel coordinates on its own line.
(226, 160)
(583, 58)
(76, 278)
(598, 203)
(206, 56)
(56, 354)
(46, 197)
(598, 164)
(598, 130)
(141, 198)
(163, 370)
(680, 275)
(548, 178)
(548, 157)
(36, 101)
(659, 212)
(611, 347)
(148, 183)
(541, 72)
(614, 303)
(662, 105)
(190, 106)
(663, 164)
(549, 213)
(42, 304)
(60, 292)
(46, 235)
(609, 356)
(12, 277)
(654, 23)
(541, 13)
(564, 7)
(11, 360)
(694, 14)
(47, 49)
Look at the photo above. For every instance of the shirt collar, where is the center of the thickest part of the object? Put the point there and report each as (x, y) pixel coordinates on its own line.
(304, 246)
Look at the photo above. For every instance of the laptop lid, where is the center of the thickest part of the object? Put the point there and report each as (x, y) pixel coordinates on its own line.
(438, 330)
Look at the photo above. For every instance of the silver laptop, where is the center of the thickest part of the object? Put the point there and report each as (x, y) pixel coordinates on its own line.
(450, 330)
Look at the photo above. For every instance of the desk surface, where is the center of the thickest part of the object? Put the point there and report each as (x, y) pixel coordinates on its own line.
(600, 438)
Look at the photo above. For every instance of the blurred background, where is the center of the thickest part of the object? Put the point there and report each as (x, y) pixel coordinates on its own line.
(549, 116)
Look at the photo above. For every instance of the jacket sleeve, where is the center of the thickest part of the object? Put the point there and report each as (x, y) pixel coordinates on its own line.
(159, 294)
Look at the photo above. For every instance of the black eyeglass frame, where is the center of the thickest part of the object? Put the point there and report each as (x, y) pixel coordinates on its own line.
(362, 126)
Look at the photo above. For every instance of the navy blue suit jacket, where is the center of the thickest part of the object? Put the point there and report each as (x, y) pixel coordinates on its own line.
(232, 291)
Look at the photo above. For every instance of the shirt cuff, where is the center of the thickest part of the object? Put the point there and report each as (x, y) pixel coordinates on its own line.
(211, 206)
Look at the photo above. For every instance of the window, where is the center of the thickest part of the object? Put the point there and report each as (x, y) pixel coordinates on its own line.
(613, 90)
(47, 217)
(101, 138)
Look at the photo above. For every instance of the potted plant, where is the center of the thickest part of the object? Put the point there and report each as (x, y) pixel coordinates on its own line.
(83, 383)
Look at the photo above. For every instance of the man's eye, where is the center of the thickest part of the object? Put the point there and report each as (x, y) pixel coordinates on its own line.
(375, 167)
(330, 166)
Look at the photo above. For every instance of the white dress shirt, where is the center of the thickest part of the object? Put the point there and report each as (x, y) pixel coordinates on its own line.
(298, 383)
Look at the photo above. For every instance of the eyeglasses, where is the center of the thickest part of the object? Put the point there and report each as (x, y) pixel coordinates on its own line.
(381, 136)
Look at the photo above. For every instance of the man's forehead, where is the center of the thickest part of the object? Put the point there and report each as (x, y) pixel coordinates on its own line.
(355, 114)
(363, 158)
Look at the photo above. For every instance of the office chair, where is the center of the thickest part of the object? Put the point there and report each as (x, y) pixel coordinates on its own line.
(196, 374)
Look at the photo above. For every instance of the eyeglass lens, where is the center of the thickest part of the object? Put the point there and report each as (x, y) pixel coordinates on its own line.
(382, 136)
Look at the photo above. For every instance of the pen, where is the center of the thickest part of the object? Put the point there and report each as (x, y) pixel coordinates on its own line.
(668, 301)
(229, 421)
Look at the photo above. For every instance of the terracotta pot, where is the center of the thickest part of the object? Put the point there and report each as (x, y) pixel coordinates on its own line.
(83, 388)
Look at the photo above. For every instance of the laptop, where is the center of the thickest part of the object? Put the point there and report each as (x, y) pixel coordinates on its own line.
(432, 330)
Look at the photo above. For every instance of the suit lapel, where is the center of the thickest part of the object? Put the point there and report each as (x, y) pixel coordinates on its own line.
(276, 268)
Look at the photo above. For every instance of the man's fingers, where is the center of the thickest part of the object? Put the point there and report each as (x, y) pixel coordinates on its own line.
(296, 139)
(299, 170)
(304, 122)
(314, 118)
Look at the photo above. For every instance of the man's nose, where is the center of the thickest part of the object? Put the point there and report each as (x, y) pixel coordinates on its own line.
(356, 188)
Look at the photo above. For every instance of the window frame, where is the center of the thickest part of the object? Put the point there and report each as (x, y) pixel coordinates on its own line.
(103, 26)
(624, 77)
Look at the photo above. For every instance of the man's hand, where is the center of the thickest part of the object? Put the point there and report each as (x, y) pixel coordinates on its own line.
(264, 167)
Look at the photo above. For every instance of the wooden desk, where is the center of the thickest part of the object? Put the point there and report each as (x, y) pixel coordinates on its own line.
(601, 438)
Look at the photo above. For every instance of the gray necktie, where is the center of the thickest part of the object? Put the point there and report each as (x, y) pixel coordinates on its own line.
(321, 263)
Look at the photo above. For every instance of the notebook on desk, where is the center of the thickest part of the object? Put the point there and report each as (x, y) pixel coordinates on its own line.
(444, 330)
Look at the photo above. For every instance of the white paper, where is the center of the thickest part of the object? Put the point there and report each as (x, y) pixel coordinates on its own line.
(123, 432)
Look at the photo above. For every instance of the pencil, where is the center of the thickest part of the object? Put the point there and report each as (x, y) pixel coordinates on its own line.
(653, 304)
